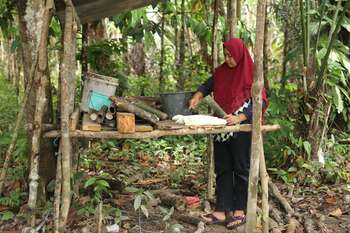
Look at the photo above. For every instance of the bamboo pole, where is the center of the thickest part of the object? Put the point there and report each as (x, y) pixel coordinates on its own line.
(257, 142)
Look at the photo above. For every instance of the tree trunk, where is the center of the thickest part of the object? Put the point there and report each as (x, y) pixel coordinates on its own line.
(41, 101)
(181, 61)
(67, 107)
(162, 51)
(257, 142)
(239, 9)
(84, 52)
(231, 18)
(267, 49)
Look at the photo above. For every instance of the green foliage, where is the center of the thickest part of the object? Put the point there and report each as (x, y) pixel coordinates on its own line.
(99, 187)
(14, 199)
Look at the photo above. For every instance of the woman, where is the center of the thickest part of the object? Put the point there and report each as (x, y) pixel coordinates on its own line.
(231, 85)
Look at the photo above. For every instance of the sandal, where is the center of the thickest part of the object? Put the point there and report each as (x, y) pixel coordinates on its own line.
(211, 219)
(236, 221)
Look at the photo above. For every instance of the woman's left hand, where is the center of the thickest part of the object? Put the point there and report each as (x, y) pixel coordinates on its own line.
(233, 120)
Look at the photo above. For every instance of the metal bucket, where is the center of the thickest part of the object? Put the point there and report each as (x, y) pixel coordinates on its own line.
(176, 103)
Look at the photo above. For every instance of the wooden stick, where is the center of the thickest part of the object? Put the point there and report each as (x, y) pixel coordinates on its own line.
(212, 103)
(130, 107)
(74, 119)
(264, 179)
(257, 142)
(146, 107)
(67, 82)
(161, 133)
(58, 188)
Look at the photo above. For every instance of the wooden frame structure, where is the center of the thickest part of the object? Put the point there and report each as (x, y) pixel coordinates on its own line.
(74, 12)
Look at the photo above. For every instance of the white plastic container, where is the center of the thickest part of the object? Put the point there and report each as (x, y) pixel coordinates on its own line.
(101, 84)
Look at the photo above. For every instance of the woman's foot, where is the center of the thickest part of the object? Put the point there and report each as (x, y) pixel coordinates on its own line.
(218, 218)
(237, 220)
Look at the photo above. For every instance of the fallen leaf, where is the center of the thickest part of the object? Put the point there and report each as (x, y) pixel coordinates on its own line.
(3, 208)
(332, 200)
(336, 213)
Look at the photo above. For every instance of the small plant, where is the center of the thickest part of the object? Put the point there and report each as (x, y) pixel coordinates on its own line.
(100, 186)
(170, 228)
(141, 200)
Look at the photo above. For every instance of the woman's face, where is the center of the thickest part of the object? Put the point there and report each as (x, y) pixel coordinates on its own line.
(229, 59)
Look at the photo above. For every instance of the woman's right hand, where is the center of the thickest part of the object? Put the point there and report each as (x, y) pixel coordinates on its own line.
(195, 100)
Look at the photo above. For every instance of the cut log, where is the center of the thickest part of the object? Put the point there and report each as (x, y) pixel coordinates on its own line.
(170, 199)
(93, 116)
(125, 122)
(130, 107)
(146, 107)
(74, 119)
(101, 114)
(143, 128)
(109, 115)
(90, 125)
(216, 108)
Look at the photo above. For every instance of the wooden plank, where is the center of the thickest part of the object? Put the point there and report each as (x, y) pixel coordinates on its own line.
(143, 128)
(161, 133)
(90, 125)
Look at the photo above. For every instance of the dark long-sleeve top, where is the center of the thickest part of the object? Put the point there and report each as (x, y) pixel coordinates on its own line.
(207, 87)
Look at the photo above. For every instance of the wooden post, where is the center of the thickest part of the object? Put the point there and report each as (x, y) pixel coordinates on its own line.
(257, 142)
(67, 106)
(210, 152)
(264, 179)
(42, 81)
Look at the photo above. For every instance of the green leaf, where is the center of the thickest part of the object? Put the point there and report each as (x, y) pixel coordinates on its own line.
(149, 40)
(7, 215)
(137, 202)
(89, 182)
(131, 189)
(307, 147)
(149, 195)
(144, 211)
(338, 100)
(102, 183)
(346, 24)
(169, 214)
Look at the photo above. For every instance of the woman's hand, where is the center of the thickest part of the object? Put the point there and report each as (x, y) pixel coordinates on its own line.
(195, 100)
(233, 120)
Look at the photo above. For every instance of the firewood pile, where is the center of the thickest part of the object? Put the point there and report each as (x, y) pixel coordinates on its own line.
(125, 115)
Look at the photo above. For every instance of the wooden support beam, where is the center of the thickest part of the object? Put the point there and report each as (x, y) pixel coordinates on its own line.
(161, 133)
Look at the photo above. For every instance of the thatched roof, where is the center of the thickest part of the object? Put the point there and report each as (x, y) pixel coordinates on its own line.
(92, 10)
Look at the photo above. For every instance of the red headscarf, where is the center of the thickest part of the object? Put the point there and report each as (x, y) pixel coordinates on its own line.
(232, 86)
